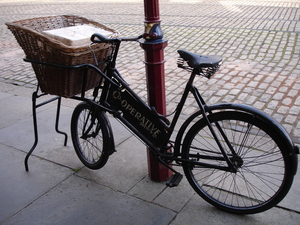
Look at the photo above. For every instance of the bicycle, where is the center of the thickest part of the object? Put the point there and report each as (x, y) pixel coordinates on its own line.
(234, 156)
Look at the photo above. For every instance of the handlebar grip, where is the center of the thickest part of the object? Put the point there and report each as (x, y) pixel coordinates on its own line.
(98, 38)
(132, 38)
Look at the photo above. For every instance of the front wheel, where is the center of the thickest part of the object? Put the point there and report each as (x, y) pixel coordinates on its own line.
(90, 135)
(264, 174)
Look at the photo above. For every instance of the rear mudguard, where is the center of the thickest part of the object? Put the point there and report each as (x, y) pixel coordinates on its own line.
(292, 148)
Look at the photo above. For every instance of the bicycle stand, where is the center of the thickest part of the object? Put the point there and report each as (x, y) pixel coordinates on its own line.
(35, 96)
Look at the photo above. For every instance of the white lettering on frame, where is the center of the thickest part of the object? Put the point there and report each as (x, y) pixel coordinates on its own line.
(143, 121)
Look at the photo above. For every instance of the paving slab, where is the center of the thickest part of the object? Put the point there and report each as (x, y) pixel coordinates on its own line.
(18, 188)
(124, 169)
(79, 201)
(197, 211)
(16, 89)
(147, 189)
(290, 201)
(4, 95)
(50, 144)
(176, 198)
(6, 116)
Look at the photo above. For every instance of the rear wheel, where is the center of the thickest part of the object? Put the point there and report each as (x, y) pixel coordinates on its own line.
(264, 174)
(89, 135)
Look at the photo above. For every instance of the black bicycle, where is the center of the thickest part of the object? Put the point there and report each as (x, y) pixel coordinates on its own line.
(234, 156)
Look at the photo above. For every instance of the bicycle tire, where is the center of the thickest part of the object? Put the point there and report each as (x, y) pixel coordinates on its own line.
(264, 174)
(89, 137)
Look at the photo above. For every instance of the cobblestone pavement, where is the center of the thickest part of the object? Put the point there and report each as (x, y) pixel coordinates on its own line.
(258, 39)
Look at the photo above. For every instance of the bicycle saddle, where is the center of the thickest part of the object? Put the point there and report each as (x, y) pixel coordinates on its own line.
(197, 61)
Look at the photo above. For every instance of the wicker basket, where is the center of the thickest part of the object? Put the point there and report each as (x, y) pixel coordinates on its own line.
(37, 46)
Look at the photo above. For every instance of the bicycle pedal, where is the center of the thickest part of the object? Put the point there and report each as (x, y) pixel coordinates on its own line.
(174, 180)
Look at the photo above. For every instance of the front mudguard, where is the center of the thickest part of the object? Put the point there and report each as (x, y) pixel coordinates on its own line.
(292, 148)
(110, 148)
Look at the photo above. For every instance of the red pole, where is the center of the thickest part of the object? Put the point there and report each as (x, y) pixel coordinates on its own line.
(154, 45)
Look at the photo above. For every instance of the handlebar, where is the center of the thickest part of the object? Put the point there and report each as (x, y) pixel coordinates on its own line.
(99, 38)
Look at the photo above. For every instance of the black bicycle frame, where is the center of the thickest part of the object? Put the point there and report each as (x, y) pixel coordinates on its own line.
(147, 124)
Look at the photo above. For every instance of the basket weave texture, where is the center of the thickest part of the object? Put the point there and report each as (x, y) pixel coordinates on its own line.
(38, 46)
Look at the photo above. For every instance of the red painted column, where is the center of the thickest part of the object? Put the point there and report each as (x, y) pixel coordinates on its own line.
(154, 44)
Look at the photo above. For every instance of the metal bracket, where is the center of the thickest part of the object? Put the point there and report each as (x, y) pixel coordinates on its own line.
(34, 107)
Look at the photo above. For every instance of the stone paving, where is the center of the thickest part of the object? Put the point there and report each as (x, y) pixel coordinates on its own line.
(258, 39)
